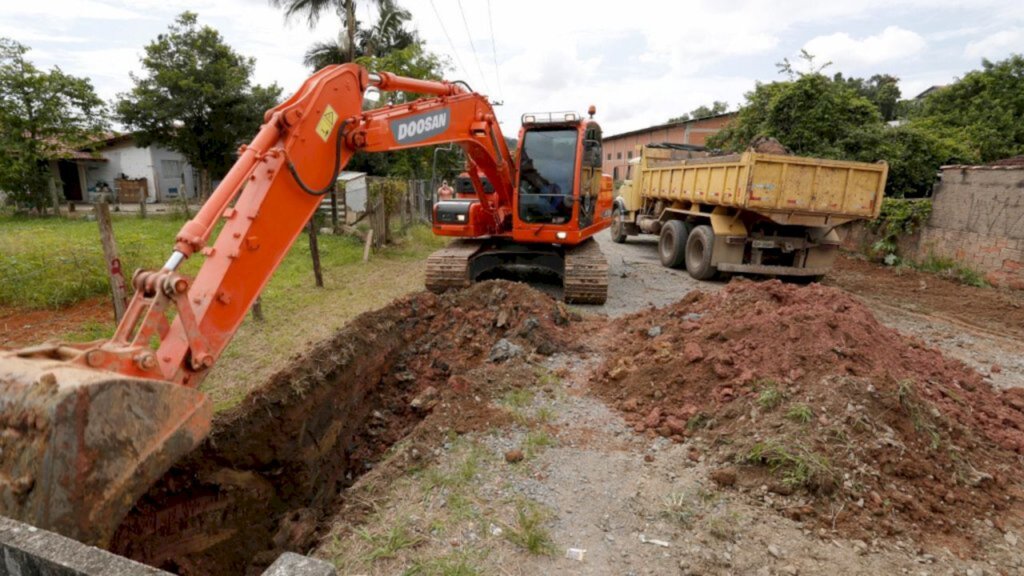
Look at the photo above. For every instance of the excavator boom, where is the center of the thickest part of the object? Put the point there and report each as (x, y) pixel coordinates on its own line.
(85, 429)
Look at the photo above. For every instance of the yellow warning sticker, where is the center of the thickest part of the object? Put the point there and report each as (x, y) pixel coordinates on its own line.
(326, 123)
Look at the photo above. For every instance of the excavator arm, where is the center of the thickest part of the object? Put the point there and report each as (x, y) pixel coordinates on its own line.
(97, 424)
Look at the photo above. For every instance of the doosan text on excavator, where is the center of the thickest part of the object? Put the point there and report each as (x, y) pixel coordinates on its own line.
(98, 423)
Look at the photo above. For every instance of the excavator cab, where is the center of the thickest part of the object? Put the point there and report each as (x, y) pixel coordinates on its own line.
(561, 192)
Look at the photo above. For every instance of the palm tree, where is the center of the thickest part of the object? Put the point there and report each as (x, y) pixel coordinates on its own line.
(389, 33)
(313, 9)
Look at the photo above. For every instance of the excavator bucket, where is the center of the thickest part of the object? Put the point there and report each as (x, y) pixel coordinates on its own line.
(78, 446)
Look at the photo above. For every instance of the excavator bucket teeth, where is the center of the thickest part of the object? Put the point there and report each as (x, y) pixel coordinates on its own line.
(78, 447)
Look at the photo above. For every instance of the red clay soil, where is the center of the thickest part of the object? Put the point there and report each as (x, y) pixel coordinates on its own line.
(992, 310)
(276, 467)
(800, 388)
(22, 327)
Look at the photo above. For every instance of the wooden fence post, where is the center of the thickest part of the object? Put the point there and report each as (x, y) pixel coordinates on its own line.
(257, 309)
(314, 250)
(334, 208)
(118, 288)
(142, 205)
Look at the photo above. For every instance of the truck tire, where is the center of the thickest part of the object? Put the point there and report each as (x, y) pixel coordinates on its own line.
(672, 243)
(618, 227)
(699, 246)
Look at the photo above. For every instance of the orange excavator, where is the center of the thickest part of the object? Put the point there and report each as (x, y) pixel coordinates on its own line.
(86, 429)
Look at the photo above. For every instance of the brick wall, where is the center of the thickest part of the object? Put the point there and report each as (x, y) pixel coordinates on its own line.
(978, 220)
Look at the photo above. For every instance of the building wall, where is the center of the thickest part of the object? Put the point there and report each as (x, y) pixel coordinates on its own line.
(162, 180)
(134, 162)
(618, 150)
(978, 219)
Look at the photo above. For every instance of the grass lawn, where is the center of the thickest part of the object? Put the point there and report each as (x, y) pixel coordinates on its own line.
(51, 263)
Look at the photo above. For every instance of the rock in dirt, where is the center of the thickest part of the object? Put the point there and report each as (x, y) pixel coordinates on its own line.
(724, 476)
(654, 331)
(513, 456)
(425, 400)
(504, 349)
(692, 352)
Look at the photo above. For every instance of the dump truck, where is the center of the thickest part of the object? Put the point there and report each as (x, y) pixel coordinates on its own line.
(752, 213)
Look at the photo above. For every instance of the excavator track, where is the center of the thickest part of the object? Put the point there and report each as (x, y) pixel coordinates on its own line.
(448, 268)
(586, 274)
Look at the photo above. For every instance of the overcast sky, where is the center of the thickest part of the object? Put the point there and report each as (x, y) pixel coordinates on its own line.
(639, 62)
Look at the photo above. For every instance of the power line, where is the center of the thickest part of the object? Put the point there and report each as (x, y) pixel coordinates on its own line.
(450, 43)
(494, 51)
(475, 55)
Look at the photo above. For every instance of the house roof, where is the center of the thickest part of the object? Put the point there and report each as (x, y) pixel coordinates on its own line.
(665, 125)
(929, 90)
(346, 176)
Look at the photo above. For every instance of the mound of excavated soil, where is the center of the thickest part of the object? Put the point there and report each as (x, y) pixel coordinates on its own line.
(800, 392)
(277, 466)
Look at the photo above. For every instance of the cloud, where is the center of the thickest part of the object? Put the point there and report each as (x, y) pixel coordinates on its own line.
(893, 43)
(71, 10)
(996, 45)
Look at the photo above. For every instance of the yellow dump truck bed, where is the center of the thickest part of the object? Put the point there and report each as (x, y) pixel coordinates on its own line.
(787, 189)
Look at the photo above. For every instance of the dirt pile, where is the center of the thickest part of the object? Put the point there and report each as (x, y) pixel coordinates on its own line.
(278, 465)
(804, 400)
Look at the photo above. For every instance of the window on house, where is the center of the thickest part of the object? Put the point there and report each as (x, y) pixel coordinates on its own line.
(618, 155)
(629, 155)
(609, 155)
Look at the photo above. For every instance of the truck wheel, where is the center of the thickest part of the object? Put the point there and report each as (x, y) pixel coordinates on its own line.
(672, 244)
(618, 228)
(699, 246)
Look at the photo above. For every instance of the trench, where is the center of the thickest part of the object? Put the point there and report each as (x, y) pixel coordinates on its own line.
(274, 471)
(275, 467)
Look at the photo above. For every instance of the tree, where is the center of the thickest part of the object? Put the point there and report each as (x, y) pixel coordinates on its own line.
(196, 97)
(881, 89)
(345, 45)
(812, 114)
(984, 109)
(717, 107)
(43, 115)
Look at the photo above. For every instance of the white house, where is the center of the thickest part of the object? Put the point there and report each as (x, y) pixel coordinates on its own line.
(167, 174)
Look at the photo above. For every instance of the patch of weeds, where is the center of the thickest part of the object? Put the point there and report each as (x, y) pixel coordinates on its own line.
(699, 421)
(800, 413)
(679, 508)
(798, 467)
(723, 526)
(529, 532)
(952, 270)
(545, 414)
(518, 398)
(536, 441)
(911, 404)
(454, 564)
(460, 475)
(388, 544)
(769, 397)
(547, 377)
(92, 330)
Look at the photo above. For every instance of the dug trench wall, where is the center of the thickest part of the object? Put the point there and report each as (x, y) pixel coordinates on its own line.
(977, 220)
(26, 550)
